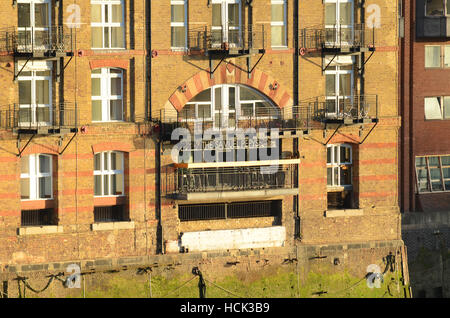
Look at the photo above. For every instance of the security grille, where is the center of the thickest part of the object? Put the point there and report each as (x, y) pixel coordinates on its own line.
(36, 217)
(114, 213)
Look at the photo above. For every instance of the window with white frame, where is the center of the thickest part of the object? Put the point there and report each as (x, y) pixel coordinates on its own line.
(338, 84)
(178, 24)
(109, 173)
(437, 56)
(433, 173)
(339, 166)
(278, 23)
(437, 107)
(107, 24)
(107, 94)
(36, 177)
(437, 8)
(34, 20)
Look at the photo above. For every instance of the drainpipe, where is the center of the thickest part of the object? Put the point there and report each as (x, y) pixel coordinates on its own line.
(296, 102)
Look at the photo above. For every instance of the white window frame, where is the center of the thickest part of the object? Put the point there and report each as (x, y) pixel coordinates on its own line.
(280, 23)
(34, 175)
(337, 164)
(110, 24)
(441, 102)
(105, 96)
(108, 173)
(33, 19)
(224, 18)
(444, 57)
(337, 72)
(33, 67)
(180, 24)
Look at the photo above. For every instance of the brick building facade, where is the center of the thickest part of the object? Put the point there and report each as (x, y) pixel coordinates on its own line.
(90, 105)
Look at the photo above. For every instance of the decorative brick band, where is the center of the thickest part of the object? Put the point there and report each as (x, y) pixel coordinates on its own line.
(229, 73)
(46, 149)
(119, 63)
(110, 146)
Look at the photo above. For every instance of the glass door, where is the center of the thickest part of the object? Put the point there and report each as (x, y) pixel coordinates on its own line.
(34, 98)
(338, 22)
(34, 24)
(338, 88)
(225, 107)
(226, 23)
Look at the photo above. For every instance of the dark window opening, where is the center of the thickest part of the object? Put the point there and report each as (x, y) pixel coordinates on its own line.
(115, 213)
(340, 200)
(236, 210)
(37, 217)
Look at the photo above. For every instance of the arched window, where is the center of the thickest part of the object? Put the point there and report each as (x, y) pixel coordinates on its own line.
(229, 106)
(107, 94)
(109, 173)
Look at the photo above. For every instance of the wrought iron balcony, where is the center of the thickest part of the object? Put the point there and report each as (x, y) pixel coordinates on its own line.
(338, 39)
(289, 120)
(346, 109)
(38, 42)
(246, 40)
(41, 120)
(187, 184)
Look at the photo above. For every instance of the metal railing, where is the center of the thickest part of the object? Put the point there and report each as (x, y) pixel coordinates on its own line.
(28, 117)
(185, 180)
(287, 119)
(432, 27)
(355, 107)
(32, 40)
(337, 37)
(36, 217)
(225, 38)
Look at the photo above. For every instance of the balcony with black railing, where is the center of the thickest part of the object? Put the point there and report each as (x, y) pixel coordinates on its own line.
(432, 27)
(53, 41)
(337, 39)
(347, 110)
(37, 119)
(231, 40)
(231, 181)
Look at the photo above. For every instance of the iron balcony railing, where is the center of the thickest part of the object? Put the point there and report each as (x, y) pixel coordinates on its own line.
(226, 38)
(45, 119)
(31, 40)
(294, 118)
(351, 38)
(191, 180)
(432, 27)
(355, 108)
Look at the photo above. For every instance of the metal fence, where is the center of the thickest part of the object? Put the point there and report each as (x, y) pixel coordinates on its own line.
(184, 181)
(31, 39)
(224, 38)
(35, 117)
(36, 217)
(114, 213)
(337, 37)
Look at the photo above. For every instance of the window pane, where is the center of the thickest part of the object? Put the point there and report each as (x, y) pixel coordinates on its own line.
(249, 94)
(106, 190)
(177, 13)
(432, 56)
(330, 84)
(25, 188)
(97, 162)
(447, 107)
(204, 96)
(422, 178)
(97, 185)
(113, 161)
(24, 14)
(329, 155)
(233, 15)
(345, 154)
(106, 37)
(45, 186)
(41, 15)
(25, 92)
(330, 13)
(232, 98)
(278, 35)
(97, 37)
(25, 165)
(435, 7)
(117, 40)
(188, 111)
(446, 172)
(277, 13)
(346, 13)
(116, 109)
(178, 37)
(329, 176)
(433, 161)
(445, 160)
(105, 156)
(345, 84)
(421, 162)
(116, 86)
(119, 160)
(218, 98)
(204, 111)
(433, 108)
(117, 13)
(346, 176)
(97, 110)
(117, 184)
(216, 14)
(447, 54)
(42, 92)
(96, 13)
(44, 164)
(247, 110)
(95, 86)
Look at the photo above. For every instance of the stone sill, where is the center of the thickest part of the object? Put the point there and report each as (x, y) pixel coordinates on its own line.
(109, 226)
(45, 229)
(343, 213)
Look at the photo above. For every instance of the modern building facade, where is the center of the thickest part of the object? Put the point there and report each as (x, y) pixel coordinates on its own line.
(288, 112)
